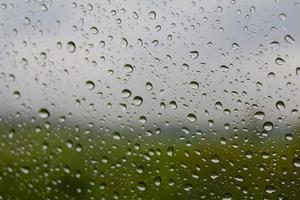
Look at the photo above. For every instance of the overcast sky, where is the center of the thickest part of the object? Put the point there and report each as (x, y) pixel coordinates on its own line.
(195, 53)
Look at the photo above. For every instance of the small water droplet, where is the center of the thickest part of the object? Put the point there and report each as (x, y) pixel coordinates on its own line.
(128, 68)
(173, 105)
(235, 46)
(268, 126)
(141, 186)
(89, 85)
(224, 68)
(149, 86)
(116, 136)
(71, 47)
(289, 39)
(194, 85)
(279, 61)
(124, 42)
(259, 115)
(283, 17)
(296, 162)
(215, 159)
(17, 94)
(227, 196)
(289, 137)
(275, 45)
(137, 101)
(270, 189)
(126, 93)
(94, 30)
(280, 105)
(191, 117)
(298, 71)
(194, 54)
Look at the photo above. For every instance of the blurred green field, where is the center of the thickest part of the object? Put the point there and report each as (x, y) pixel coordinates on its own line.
(65, 163)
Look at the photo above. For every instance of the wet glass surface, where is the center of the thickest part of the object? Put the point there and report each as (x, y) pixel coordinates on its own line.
(149, 99)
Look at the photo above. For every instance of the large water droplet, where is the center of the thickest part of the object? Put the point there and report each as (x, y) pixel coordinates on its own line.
(44, 113)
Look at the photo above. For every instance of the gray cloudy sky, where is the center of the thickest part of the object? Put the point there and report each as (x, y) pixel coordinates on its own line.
(156, 38)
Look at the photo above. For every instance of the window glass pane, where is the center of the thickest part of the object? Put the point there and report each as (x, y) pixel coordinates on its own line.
(143, 99)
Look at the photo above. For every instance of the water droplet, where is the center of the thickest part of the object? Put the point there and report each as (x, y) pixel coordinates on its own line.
(296, 162)
(135, 15)
(194, 85)
(173, 105)
(126, 93)
(268, 126)
(44, 7)
(116, 136)
(194, 54)
(289, 137)
(298, 71)
(188, 187)
(137, 101)
(270, 189)
(280, 105)
(124, 43)
(71, 47)
(170, 151)
(149, 86)
(227, 196)
(141, 186)
(259, 115)
(152, 15)
(215, 159)
(289, 39)
(219, 105)
(128, 68)
(44, 113)
(235, 46)
(17, 94)
(271, 75)
(89, 85)
(275, 45)
(143, 119)
(25, 170)
(283, 17)
(224, 68)
(279, 61)
(191, 117)
(94, 30)
(157, 181)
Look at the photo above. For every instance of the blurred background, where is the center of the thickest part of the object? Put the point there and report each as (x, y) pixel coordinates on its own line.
(149, 99)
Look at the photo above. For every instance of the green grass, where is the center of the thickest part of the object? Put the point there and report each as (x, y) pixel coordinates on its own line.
(62, 163)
